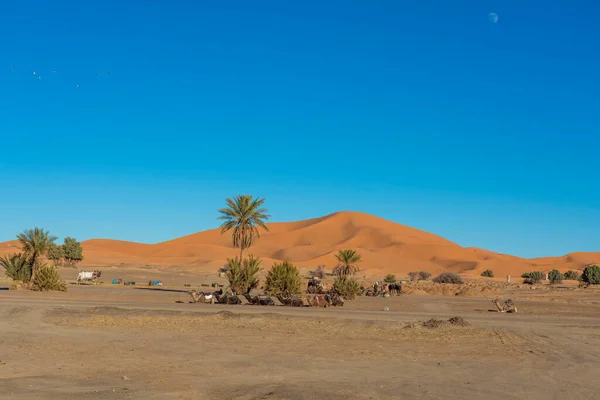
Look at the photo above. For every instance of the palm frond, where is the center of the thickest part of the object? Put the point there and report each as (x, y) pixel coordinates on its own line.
(349, 260)
(243, 216)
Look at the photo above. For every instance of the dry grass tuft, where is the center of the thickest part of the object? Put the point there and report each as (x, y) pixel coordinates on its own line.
(458, 321)
(434, 323)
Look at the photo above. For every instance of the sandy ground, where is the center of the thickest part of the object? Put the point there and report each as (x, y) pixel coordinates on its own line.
(107, 342)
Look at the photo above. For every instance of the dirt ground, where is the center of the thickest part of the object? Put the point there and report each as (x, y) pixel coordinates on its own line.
(116, 342)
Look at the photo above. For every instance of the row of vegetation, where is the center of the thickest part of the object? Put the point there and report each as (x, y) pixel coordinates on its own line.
(244, 217)
(28, 268)
(590, 275)
(67, 254)
(445, 277)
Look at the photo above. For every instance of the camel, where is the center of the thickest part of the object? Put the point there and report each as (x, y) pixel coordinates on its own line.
(89, 276)
(263, 300)
(196, 297)
(334, 300)
(507, 306)
(315, 286)
(202, 297)
(395, 288)
(293, 301)
(317, 301)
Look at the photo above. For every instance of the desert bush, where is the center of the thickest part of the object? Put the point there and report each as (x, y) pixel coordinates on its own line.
(533, 277)
(390, 278)
(318, 273)
(16, 267)
(283, 279)
(424, 275)
(243, 276)
(571, 275)
(591, 275)
(555, 276)
(346, 287)
(235, 275)
(448, 277)
(419, 276)
(488, 273)
(47, 278)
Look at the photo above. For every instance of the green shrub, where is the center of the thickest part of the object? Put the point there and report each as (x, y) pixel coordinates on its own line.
(243, 276)
(283, 279)
(525, 275)
(72, 252)
(591, 275)
(390, 278)
(448, 277)
(17, 267)
(347, 288)
(56, 254)
(571, 275)
(555, 276)
(488, 273)
(533, 277)
(47, 278)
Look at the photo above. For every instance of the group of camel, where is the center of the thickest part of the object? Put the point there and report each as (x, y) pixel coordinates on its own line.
(219, 297)
(385, 290)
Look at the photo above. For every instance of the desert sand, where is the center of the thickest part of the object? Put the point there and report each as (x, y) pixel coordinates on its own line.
(386, 247)
(121, 342)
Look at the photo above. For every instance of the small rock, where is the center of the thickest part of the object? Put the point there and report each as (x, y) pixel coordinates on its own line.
(125, 378)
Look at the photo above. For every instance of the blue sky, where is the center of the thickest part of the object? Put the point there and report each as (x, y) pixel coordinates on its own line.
(422, 112)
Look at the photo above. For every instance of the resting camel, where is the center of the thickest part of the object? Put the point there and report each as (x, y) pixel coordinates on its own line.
(507, 306)
(202, 298)
(317, 301)
(294, 301)
(334, 300)
(314, 286)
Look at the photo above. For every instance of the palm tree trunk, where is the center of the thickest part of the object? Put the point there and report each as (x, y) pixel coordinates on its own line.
(33, 267)
(242, 245)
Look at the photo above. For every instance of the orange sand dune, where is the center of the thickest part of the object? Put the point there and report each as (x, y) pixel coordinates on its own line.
(385, 247)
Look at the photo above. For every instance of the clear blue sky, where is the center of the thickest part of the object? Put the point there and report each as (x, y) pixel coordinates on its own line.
(422, 112)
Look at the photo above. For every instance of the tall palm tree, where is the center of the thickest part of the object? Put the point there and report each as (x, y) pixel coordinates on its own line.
(243, 216)
(35, 244)
(349, 260)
